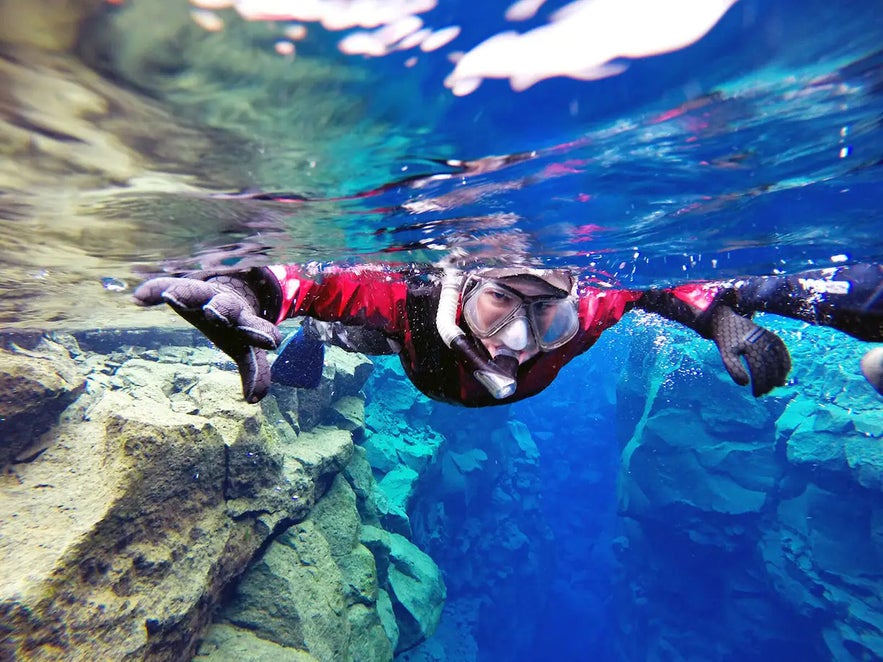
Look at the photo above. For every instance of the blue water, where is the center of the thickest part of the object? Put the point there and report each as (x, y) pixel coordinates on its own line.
(772, 164)
(756, 150)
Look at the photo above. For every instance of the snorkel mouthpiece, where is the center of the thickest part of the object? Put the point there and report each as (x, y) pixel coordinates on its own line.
(497, 376)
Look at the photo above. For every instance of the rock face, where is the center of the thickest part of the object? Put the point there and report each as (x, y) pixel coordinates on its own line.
(758, 518)
(35, 387)
(334, 587)
(154, 489)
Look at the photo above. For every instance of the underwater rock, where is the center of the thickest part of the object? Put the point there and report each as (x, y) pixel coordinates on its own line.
(398, 488)
(323, 452)
(417, 590)
(360, 477)
(522, 435)
(677, 463)
(382, 451)
(224, 642)
(315, 589)
(294, 595)
(864, 456)
(337, 519)
(348, 413)
(839, 437)
(35, 387)
(120, 537)
(414, 582)
(823, 563)
(761, 515)
(388, 618)
(311, 402)
(343, 377)
(43, 23)
(419, 451)
(351, 371)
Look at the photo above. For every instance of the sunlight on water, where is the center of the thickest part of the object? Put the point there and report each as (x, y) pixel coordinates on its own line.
(164, 136)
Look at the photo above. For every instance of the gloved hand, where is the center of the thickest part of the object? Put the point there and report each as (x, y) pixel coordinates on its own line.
(767, 356)
(226, 309)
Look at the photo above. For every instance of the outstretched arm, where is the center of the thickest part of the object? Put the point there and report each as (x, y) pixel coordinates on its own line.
(848, 298)
(238, 311)
(700, 307)
(233, 310)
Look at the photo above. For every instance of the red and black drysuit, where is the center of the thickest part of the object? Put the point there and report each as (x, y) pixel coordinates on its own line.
(401, 305)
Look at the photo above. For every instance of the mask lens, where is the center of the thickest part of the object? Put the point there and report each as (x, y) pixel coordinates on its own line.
(488, 309)
(555, 321)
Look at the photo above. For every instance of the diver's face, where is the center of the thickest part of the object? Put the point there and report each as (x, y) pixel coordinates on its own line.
(514, 337)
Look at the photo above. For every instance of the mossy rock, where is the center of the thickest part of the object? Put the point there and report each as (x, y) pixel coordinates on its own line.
(35, 387)
(224, 643)
(293, 595)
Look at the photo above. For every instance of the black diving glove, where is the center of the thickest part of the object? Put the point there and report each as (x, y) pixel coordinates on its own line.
(765, 353)
(229, 312)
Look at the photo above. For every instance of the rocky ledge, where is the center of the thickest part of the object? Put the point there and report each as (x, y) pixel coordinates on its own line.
(138, 487)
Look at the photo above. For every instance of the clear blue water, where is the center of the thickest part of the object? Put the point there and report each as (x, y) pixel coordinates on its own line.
(756, 150)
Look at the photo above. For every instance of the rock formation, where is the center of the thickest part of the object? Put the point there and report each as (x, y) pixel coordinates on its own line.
(758, 518)
(138, 486)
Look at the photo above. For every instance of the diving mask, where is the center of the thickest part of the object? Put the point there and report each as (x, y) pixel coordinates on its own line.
(508, 307)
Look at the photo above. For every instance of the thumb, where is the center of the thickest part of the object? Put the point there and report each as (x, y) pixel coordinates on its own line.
(254, 370)
(735, 367)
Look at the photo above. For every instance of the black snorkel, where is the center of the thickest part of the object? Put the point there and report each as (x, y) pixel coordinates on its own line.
(497, 375)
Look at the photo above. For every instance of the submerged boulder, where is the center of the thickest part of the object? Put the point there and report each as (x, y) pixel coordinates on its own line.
(226, 642)
(35, 387)
(413, 582)
(315, 589)
(156, 487)
(334, 586)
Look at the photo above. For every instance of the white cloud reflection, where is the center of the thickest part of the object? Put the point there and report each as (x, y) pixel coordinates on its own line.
(586, 39)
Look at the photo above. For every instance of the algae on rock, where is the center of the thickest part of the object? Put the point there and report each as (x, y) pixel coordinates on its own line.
(337, 588)
(153, 491)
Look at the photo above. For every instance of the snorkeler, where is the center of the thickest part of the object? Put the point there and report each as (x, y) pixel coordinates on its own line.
(497, 335)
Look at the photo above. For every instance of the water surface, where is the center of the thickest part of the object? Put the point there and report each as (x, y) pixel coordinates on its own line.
(153, 144)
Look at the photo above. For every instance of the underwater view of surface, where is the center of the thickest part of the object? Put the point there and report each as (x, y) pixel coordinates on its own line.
(642, 507)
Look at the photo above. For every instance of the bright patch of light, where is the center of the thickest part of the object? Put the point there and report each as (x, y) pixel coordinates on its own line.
(440, 38)
(332, 14)
(207, 20)
(523, 10)
(583, 40)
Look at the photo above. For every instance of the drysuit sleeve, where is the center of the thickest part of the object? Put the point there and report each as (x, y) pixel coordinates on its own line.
(368, 297)
(702, 307)
(847, 298)
(691, 305)
(238, 310)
